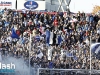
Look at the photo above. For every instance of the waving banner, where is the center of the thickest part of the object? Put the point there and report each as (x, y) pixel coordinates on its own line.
(95, 48)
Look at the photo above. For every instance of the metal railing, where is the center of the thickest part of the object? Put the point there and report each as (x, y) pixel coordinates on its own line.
(47, 71)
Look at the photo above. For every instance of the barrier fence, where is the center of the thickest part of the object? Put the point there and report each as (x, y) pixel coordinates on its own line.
(46, 71)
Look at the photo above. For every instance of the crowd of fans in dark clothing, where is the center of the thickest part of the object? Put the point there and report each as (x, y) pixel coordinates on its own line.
(75, 38)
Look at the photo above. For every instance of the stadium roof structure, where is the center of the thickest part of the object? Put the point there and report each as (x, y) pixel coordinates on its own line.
(67, 3)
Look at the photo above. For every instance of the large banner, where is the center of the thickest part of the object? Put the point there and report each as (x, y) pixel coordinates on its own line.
(9, 4)
(30, 5)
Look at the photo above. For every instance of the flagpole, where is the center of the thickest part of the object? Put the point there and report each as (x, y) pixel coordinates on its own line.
(29, 53)
(16, 5)
(90, 55)
(29, 50)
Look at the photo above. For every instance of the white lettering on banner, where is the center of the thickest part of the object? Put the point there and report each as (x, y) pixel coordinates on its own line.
(7, 66)
(7, 4)
(30, 5)
(37, 5)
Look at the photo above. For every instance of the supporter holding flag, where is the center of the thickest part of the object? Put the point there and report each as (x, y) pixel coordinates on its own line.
(14, 34)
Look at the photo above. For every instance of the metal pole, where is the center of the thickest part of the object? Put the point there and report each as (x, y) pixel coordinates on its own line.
(90, 55)
(29, 49)
(29, 53)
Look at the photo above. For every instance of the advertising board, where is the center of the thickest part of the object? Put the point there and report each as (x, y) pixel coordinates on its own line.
(30, 5)
(9, 4)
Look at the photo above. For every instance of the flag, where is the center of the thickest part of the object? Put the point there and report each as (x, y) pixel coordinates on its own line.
(50, 49)
(47, 37)
(51, 38)
(59, 39)
(50, 64)
(39, 54)
(95, 48)
(75, 58)
(69, 55)
(14, 34)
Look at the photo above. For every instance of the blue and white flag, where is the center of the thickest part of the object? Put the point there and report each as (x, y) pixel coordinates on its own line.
(69, 55)
(50, 49)
(39, 54)
(47, 37)
(95, 48)
(60, 39)
(50, 38)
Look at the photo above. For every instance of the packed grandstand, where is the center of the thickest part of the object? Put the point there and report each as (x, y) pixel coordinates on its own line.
(58, 40)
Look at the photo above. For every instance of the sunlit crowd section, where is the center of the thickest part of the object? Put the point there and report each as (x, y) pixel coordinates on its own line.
(51, 39)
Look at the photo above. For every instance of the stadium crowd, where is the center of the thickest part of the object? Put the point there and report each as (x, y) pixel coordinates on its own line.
(57, 40)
